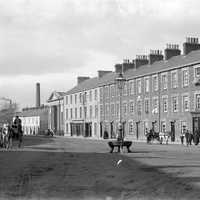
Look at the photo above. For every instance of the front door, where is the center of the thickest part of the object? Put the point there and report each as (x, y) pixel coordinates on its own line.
(196, 123)
(172, 131)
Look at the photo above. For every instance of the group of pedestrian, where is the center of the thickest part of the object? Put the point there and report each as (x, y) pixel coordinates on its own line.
(11, 131)
(188, 136)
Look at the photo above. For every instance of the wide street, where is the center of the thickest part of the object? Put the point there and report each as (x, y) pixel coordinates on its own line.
(72, 168)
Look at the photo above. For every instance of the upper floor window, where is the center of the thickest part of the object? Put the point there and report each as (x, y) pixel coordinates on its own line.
(101, 93)
(107, 109)
(75, 98)
(90, 95)
(112, 109)
(139, 86)
(71, 113)
(197, 71)
(131, 107)
(95, 94)
(125, 89)
(146, 84)
(66, 100)
(75, 113)
(80, 98)
(106, 92)
(96, 111)
(80, 112)
(174, 79)
(66, 114)
(165, 103)
(90, 111)
(185, 77)
(155, 82)
(117, 109)
(164, 81)
(101, 110)
(175, 104)
(131, 87)
(124, 108)
(139, 106)
(70, 99)
(185, 103)
(146, 106)
(112, 90)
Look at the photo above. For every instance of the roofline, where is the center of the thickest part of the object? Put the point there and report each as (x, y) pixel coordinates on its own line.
(140, 76)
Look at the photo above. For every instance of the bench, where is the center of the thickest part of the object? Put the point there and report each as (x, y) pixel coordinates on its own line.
(118, 144)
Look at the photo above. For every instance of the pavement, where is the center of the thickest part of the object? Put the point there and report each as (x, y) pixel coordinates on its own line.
(74, 168)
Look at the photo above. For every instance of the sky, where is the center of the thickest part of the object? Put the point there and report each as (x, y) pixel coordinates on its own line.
(54, 41)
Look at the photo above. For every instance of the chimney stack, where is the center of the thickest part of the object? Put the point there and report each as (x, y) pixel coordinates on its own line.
(140, 60)
(128, 65)
(37, 94)
(191, 44)
(118, 68)
(101, 73)
(81, 79)
(172, 50)
(155, 55)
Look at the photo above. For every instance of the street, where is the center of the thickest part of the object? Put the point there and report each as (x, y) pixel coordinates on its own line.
(74, 168)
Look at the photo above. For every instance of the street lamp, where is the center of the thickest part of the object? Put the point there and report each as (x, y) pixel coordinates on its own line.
(120, 82)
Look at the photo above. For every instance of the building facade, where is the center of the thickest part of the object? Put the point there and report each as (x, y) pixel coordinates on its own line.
(34, 120)
(56, 114)
(161, 92)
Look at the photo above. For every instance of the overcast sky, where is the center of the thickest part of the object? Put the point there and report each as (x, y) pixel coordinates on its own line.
(54, 41)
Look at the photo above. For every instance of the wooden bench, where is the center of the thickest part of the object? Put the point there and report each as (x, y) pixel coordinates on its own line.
(118, 144)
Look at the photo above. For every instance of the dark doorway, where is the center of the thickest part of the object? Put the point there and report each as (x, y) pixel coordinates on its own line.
(111, 130)
(172, 131)
(137, 130)
(88, 129)
(101, 130)
(196, 123)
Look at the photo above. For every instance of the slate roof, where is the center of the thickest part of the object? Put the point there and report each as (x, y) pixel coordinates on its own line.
(164, 65)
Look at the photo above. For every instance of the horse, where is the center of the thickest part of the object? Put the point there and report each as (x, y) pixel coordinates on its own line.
(151, 136)
(6, 137)
(17, 133)
(164, 137)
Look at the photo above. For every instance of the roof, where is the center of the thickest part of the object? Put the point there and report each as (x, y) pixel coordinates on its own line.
(159, 66)
(55, 96)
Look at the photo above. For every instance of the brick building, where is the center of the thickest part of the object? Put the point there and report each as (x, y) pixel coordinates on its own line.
(161, 91)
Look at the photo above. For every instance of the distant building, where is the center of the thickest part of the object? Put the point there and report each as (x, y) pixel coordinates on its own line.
(35, 119)
(55, 117)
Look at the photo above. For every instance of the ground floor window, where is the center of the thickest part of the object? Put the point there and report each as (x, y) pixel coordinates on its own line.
(183, 126)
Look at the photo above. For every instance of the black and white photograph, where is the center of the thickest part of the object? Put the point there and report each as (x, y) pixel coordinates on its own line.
(99, 100)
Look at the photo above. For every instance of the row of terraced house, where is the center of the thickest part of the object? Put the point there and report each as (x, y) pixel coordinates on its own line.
(161, 91)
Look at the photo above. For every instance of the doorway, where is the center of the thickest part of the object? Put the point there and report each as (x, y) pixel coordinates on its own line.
(172, 131)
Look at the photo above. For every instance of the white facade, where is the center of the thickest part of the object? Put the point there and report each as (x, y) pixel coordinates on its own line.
(82, 113)
(30, 125)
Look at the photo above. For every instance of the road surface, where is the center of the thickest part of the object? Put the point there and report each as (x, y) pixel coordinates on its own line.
(67, 168)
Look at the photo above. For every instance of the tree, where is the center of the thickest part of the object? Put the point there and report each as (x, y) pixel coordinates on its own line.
(7, 111)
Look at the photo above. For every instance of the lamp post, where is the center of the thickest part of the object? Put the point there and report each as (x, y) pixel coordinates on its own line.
(120, 82)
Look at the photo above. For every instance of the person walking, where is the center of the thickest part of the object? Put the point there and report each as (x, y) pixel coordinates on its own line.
(196, 137)
(182, 136)
(187, 137)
